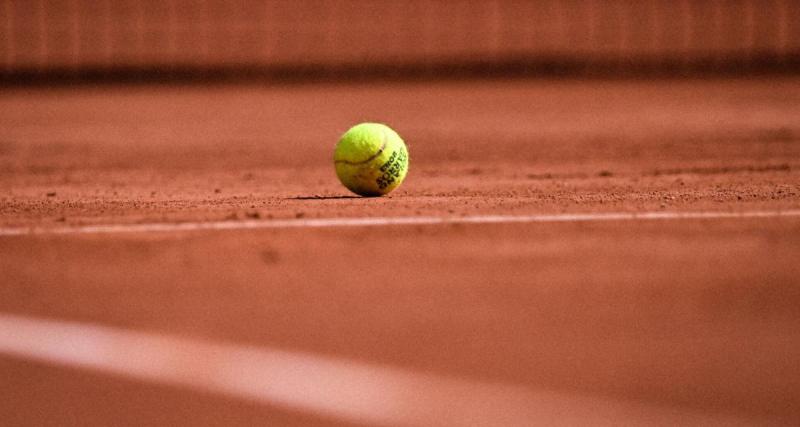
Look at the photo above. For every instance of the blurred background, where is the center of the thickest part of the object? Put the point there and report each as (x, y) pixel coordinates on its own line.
(156, 188)
(46, 40)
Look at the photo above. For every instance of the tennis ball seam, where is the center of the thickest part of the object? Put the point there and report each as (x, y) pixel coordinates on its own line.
(384, 141)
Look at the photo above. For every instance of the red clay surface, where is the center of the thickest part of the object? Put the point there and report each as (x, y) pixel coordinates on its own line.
(694, 314)
(175, 154)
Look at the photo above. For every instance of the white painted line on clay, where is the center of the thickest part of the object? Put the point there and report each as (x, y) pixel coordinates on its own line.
(337, 388)
(387, 221)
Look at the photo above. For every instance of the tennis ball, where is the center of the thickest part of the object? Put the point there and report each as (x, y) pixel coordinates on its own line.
(371, 159)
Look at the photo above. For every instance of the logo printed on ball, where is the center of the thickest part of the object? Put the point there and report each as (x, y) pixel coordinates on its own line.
(392, 169)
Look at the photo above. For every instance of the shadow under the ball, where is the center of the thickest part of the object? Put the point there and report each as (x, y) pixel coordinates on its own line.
(324, 197)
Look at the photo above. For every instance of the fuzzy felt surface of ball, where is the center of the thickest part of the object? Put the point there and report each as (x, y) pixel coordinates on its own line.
(371, 159)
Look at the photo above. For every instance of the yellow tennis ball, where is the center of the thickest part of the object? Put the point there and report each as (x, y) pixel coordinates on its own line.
(371, 159)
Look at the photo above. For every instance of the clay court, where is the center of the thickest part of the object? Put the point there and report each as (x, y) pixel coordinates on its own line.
(585, 249)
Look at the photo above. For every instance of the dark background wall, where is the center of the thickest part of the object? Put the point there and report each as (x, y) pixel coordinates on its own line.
(333, 37)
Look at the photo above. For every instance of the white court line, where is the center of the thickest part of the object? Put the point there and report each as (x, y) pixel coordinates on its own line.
(332, 387)
(386, 221)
